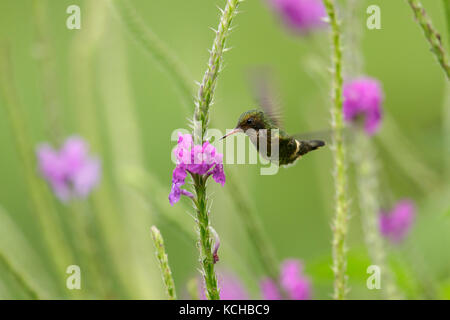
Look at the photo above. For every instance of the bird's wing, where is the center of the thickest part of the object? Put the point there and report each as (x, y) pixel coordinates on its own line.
(264, 93)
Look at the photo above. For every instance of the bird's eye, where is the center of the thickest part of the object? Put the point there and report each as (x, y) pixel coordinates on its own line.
(249, 120)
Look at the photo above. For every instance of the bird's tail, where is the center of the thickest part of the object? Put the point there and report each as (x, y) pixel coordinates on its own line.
(309, 145)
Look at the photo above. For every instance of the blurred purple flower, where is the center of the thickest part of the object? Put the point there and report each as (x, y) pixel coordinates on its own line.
(301, 15)
(230, 288)
(396, 224)
(363, 97)
(71, 172)
(270, 290)
(292, 280)
(202, 160)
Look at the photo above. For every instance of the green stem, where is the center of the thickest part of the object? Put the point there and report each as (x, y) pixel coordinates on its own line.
(156, 48)
(208, 84)
(201, 119)
(45, 57)
(255, 231)
(163, 263)
(447, 16)
(120, 119)
(167, 59)
(144, 184)
(28, 289)
(403, 153)
(81, 222)
(368, 188)
(446, 131)
(205, 238)
(431, 34)
(43, 206)
(340, 226)
(106, 208)
(353, 34)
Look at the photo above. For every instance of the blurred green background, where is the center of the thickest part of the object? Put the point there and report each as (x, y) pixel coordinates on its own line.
(108, 89)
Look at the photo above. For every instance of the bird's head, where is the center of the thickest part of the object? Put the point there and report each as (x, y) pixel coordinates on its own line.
(252, 119)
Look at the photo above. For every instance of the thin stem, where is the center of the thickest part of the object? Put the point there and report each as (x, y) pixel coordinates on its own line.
(143, 184)
(447, 17)
(403, 153)
(156, 48)
(45, 57)
(255, 231)
(353, 57)
(446, 107)
(120, 119)
(83, 51)
(205, 238)
(201, 118)
(446, 131)
(28, 289)
(368, 189)
(340, 226)
(80, 216)
(208, 84)
(43, 206)
(163, 263)
(151, 43)
(433, 37)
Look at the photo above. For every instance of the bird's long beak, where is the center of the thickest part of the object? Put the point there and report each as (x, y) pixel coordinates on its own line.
(230, 133)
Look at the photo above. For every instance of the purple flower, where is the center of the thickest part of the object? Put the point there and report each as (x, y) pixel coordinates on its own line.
(396, 224)
(292, 280)
(301, 15)
(230, 288)
(363, 98)
(196, 159)
(71, 172)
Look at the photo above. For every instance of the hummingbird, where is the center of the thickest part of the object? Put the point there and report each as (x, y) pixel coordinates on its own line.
(252, 123)
(290, 149)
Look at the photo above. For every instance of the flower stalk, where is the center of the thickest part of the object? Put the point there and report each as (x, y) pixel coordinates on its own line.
(340, 224)
(257, 235)
(163, 263)
(48, 71)
(431, 34)
(19, 278)
(150, 42)
(201, 119)
(447, 17)
(208, 84)
(43, 206)
(368, 188)
(205, 238)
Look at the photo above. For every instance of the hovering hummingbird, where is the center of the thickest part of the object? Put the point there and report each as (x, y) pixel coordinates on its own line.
(252, 123)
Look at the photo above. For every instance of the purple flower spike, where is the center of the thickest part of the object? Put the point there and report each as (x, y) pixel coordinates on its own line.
(202, 160)
(396, 224)
(302, 16)
(363, 97)
(71, 172)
